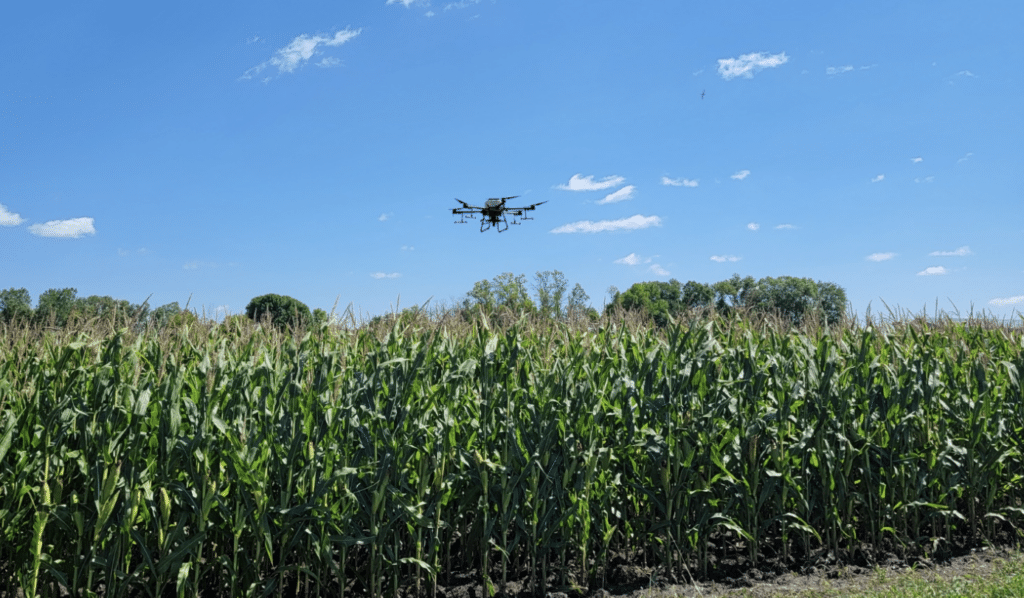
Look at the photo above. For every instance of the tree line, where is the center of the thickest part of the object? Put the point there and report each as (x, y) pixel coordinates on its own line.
(546, 296)
(58, 307)
(791, 298)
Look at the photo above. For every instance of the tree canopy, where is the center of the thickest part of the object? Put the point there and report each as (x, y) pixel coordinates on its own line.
(510, 291)
(787, 296)
(282, 310)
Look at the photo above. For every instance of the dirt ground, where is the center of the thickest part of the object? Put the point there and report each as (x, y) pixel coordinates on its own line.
(825, 575)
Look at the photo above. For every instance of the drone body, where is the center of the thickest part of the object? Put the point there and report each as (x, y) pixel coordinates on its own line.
(493, 213)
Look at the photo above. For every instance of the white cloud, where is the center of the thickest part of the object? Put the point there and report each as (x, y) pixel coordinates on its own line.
(966, 74)
(407, 248)
(932, 271)
(461, 4)
(380, 275)
(632, 260)
(695, 73)
(73, 228)
(300, 50)
(429, 13)
(1007, 300)
(785, 227)
(620, 195)
(679, 182)
(404, 3)
(966, 156)
(748, 64)
(8, 218)
(635, 222)
(725, 258)
(587, 183)
(838, 70)
(917, 159)
(753, 226)
(926, 179)
(658, 270)
(880, 257)
(878, 178)
(740, 175)
(965, 250)
(328, 62)
(196, 264)
(384, 217)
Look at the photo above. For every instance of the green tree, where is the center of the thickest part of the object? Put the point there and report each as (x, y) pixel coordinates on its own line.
(656, 299)
(282, 310)
(106, 309)
(733, 293)
(577, 301)
(503, 291)
(832, 301)
(790, 297)
(550, 287)
(796, 299)
(15, 305)
(162, 316)
(696, 295)
(55, 307)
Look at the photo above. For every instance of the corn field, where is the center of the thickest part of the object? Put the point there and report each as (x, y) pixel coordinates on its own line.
(228, 462)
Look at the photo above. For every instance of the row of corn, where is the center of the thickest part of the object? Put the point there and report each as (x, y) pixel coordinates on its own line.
(236, 463)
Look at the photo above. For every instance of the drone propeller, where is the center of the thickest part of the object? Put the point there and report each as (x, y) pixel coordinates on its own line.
(534, 206)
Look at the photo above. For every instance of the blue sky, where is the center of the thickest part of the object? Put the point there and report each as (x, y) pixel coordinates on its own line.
(224, 150)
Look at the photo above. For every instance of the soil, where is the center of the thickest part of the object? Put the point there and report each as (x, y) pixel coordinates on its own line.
(823, 576)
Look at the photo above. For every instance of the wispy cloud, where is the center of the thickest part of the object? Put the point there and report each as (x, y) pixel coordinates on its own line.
(632, 259)
(300, 51)
(658, 270)
(933, 271)
(623, 194)
(965, 250)
(966, 74)
(635, 222)
(380, 275)
(123, 252)
(880, 257)
(878, 178)
(679, 182)
(72, 229)
(1007, 300)
(405, 3)
(384, 217)
(966, 156)
(196, 264)
(785, 227)
(587, 183)
(9, 218)
(407, 248)
(753, 226)
(461, 4)
(725, 258)
(917, 159)
(748, 64)
(838, 70)
(926, 179)
(740, 175)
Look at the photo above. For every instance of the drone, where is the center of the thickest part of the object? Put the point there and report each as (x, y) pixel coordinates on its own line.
(493, 213)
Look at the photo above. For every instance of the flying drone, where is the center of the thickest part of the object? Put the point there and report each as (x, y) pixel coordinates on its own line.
(493, 213)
